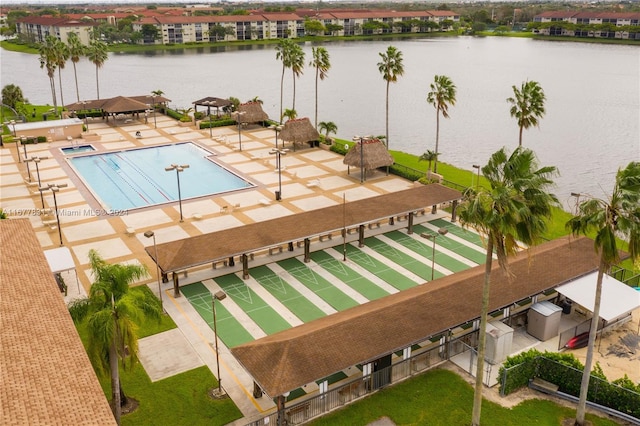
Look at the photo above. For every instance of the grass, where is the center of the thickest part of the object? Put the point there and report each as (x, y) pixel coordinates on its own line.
(441, 397)
(180, 399)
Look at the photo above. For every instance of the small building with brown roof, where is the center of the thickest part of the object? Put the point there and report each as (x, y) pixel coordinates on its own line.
(47, 377)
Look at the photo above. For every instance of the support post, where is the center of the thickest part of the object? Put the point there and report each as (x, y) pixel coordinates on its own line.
(307, 246)
(361, 236)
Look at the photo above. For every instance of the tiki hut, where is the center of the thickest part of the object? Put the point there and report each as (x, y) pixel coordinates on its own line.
(252, 113)
(373, 156)
(299, 131)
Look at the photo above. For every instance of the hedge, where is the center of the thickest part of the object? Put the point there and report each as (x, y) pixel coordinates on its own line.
(565, 371)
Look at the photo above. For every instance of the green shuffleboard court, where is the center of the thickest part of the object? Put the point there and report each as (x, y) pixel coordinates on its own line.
(456, 230)
(230, 331)
(411, 264)
(380, 269)
(473, 253)
(299, 305)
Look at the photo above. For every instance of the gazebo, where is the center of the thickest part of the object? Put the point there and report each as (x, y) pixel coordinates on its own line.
(118, 105)
(368, 154)
(252, 112)
(211, 102)
(299, 131)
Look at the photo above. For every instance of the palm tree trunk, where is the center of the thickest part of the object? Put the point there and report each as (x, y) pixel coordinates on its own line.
(60, 80)
(115, 381)
(520, 137)
(477, 395)
(281, 92)
(593, 330)
(52, 82)
(386, 141)
(294, 90)
(435, 163)
(75, 75)
(317, 73)
(97, 83)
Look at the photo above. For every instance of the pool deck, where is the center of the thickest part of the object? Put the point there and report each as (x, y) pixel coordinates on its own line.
(311, 178)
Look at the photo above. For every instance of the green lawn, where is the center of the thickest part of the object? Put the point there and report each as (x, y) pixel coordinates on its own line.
(441, 397)
(180, 399)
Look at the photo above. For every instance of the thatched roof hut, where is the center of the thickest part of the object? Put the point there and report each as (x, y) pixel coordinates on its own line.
(373, 155)
(299, 131)
(253, 113)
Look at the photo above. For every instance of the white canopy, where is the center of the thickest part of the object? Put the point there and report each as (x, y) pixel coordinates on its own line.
(59, 260)
(617, 298)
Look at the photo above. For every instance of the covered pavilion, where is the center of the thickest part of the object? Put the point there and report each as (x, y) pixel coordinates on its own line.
(212, 102)
(368, 333)
(299, 131)
(180, 255)
(368, 154)
(251, 112)
(120, 105)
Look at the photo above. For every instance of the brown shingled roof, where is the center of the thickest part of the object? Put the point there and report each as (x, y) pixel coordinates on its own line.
(201, 249)
(46, 375)
(295, 357)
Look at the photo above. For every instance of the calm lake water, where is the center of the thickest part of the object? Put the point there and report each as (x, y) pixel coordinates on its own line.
(591, 128)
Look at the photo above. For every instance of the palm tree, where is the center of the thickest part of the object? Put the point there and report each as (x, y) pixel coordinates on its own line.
(283, 53)
(512, 208)
(442, 94)
(619, 216)
(297, 66)
(527, 105)
(429, 156)
(322, 64)
(112, 313)
(76, 51)
(61, 55)
(327, 127)
(391, 68)
(290, 114)
(97, 53)
(48, 61)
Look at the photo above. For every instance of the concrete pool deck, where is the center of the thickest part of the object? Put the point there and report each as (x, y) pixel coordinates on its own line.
(311, 178)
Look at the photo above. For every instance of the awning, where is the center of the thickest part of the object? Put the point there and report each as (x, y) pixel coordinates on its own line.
(617, 298)
(59, 260)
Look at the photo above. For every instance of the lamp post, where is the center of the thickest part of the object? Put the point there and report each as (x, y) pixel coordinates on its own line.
(23, 142)
(54, 188)
(432, 237)
(277, 128)
(239, 115)
(577, 196)
(178, 169)
(477, 167)
(86, 118)
(36, 160)
(151, 234)
(279, 153)
(210, 119)
(220, 295)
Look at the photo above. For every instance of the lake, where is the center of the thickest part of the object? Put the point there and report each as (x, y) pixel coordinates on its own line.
(591, 127)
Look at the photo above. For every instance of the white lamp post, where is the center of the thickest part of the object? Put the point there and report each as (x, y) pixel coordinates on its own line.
(220, 295)
(54, 188)
(151, 234)
(178, 169)
(279, 153)
(432, 237)
(239, 115)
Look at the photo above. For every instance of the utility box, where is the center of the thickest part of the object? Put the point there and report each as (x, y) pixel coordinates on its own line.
(499, 342)
(543, 320)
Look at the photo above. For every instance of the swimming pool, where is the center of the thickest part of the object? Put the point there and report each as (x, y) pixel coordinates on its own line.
(137, 178)
(77, 149)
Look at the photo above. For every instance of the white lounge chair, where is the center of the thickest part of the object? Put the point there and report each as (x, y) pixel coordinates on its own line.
(264, 201)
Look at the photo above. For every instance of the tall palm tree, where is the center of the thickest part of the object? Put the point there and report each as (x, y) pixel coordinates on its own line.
(76, 51)
(442, 94)
(429, 156)
(322, 64)
(297, 67)
(512, 208)
(62, 55)
(527, 105)
(283, 53)
(290, 114)
(112, 313)
(327, 127)
(619, 216)
(48, 61)
(391, 68)
(97, 53)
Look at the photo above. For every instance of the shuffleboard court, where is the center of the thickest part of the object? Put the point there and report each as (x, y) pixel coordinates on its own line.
(320, 286)
(348, 276)
(257, 309)
(230, 331)
(474, 254)
(411, 264)
(456, 230)
(299, 305)
(382, 270)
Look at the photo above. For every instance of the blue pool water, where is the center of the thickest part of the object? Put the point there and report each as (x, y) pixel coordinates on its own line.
(77, 149)
(136, 178)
